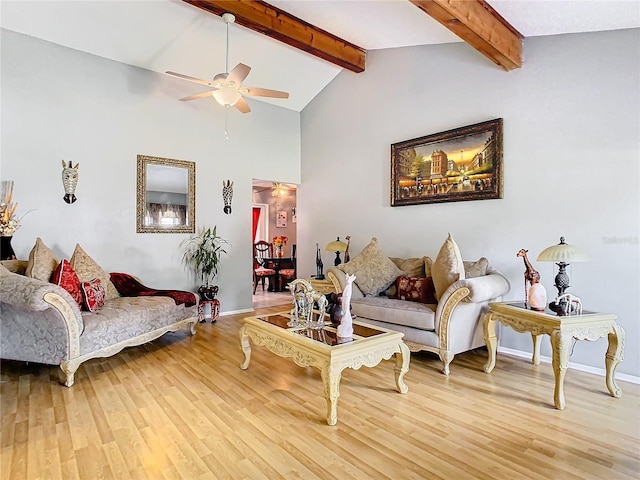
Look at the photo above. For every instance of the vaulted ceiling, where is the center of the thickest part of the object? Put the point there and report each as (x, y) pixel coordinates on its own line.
(180, 36)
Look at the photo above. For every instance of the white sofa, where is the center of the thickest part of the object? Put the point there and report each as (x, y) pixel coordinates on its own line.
(448, 327)
(40, 322)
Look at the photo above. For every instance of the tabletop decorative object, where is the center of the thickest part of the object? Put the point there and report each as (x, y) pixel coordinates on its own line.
(304, 299)
(345, 329)
(279, 242)
(319, 264)
(535, 295)
(9, 221)
(336, 246)
(562, 255)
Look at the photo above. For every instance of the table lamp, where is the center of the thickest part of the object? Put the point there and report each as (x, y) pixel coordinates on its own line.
(336, 246)
(562, 255)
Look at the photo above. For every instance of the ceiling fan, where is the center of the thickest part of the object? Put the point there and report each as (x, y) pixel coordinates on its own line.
(227, 87)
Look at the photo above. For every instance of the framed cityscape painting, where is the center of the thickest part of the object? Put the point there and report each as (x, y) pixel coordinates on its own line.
(460, 164)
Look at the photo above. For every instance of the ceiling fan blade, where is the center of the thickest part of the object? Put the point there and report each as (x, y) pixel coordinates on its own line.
(197, 96)
(191, 79)
(242, 105)
(264, 92)
(239, 73)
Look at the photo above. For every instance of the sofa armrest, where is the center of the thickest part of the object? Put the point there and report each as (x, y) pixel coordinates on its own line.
(32, 295)
(460, 308)
(341, 277)
(484, 288)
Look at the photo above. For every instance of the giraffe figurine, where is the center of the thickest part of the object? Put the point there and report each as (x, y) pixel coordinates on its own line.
(532, 294)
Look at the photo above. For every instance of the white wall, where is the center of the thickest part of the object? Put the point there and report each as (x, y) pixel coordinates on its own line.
(571, 165)
(58, 103)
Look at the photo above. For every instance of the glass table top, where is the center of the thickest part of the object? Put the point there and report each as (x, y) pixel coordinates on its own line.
(327, 335)
(547, 310)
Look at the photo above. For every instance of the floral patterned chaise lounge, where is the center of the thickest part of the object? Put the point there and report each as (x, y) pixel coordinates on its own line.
(42, 322)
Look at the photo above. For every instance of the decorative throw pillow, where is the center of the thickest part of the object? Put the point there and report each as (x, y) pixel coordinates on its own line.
(416, 289)
(93, 295)
(373, 270)
(448, 267)
(87, 269)
(476, 269)
(66, 277)
(42, 262)
(412, 267)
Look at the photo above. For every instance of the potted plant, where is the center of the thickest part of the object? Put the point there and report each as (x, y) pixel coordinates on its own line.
(202, 255)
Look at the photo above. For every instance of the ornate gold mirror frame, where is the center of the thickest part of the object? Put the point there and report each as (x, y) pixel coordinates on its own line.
(165, 195)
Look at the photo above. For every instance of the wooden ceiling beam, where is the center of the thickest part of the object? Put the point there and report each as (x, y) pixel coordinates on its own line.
(280, 25)
(478, 24)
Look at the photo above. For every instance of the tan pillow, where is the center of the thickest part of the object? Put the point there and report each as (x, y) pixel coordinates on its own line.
(373, 270)
(476, 269)
(412, 267)
(428, 266)
(15, 266)
(87, 269)
(448, 267)
(42, 262)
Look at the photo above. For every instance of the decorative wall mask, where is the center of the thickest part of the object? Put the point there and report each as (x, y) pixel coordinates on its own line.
(69, 181)
(227, 195)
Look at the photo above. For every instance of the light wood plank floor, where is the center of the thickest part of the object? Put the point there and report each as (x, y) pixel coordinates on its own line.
(181, 408)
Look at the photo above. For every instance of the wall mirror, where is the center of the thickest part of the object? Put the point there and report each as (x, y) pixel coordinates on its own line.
(166, 195)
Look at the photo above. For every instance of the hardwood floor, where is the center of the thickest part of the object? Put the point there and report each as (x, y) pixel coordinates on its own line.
(264, 299)
(180, 407)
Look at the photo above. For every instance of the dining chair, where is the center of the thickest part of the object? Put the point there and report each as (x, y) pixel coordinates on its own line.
(261, 251)
(288, 274)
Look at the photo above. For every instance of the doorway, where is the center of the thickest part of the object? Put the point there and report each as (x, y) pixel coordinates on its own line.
(274, 215)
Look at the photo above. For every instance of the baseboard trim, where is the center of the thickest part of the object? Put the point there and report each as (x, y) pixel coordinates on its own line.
(576, 366)
(234, 312)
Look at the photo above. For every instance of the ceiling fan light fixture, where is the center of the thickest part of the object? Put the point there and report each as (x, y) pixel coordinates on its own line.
(226, 96)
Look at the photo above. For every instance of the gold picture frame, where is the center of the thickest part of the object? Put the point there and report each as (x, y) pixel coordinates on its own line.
(456, 165)
(165, 195)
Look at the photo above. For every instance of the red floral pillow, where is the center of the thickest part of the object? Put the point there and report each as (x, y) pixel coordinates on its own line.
(93, 295)
(416, 289)
(66, 277)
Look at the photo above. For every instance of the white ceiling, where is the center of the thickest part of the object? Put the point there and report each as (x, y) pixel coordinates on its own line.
(161, 35)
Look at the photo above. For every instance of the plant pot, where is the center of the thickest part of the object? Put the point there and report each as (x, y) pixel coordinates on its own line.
(208, 292)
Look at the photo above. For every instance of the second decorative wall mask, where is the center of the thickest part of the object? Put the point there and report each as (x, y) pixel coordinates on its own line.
(227, 195)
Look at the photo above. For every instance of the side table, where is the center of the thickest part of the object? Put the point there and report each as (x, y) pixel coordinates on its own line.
(322, 286)
(215, 310)
(587, 326)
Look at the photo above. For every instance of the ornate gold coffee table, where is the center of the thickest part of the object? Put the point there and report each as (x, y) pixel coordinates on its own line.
(326, 351)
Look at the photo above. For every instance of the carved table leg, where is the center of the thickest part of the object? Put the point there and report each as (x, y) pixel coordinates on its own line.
(331, 380)
(402, 367)
(201, 312)
(490, 340)
(246, 347)
(560, 362)
(536, 349)
(613, 358)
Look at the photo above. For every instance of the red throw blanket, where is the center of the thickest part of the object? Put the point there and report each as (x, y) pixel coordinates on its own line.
(128, 286)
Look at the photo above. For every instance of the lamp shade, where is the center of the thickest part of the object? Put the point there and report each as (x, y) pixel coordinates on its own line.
(562, 253)
(336, 246)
